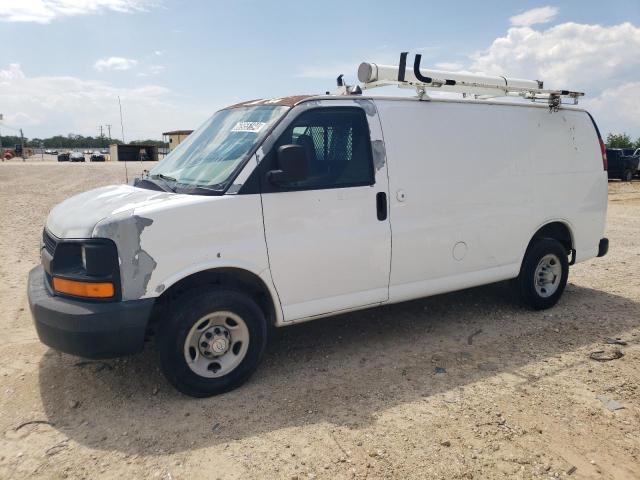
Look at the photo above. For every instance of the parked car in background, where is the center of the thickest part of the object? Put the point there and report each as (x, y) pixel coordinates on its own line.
(97, 157)
(87, 152)
(104, 151)
(634, 152)
(622, 165)
(76, 157)
(63, 157)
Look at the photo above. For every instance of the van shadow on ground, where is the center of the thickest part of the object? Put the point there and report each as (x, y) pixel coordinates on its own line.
(344, 370)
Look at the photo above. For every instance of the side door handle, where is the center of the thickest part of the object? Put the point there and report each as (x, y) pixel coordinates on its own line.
(381, 205)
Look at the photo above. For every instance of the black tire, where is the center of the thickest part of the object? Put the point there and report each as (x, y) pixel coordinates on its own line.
(185, 311)
(525, 283)
(627, 176)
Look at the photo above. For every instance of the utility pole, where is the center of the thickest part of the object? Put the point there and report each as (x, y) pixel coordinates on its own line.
(126, 173)
(22, 144)
(1, 149)
(101, 137)
(121, 123)
(109, 129)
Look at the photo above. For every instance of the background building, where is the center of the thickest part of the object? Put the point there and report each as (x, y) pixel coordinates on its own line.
(174, 137)
(133, 153)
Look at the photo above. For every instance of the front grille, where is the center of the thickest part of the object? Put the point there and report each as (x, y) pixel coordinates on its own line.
(49, 242)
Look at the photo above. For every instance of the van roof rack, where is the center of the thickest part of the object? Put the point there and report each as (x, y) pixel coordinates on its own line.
(478, 86)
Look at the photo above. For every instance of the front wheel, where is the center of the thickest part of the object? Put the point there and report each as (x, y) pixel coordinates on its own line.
(627, 176)
(543, 274)
(212, 341)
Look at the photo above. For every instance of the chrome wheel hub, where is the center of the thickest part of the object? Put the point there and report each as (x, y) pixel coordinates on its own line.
(216, 344)
(215, 341)
(548, 275)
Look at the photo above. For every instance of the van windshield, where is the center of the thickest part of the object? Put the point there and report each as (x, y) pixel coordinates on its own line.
(208, 158)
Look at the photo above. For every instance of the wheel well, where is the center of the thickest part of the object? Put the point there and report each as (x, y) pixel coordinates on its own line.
(556, 230)
(232, 278)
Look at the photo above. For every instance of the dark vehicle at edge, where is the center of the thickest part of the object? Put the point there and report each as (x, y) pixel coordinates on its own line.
(620, 165)
(96, 157)
(63, 157)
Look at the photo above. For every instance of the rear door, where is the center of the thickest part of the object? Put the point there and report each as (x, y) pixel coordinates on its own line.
(328, 237)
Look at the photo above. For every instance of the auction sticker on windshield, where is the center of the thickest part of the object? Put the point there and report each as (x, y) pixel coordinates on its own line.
(248, 127)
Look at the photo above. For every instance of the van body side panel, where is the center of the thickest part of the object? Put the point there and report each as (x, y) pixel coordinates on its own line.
(201, 233)
(470, 183)
(563, 165)
(458, 200)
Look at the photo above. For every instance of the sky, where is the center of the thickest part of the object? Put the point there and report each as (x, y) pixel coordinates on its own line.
(173, 63)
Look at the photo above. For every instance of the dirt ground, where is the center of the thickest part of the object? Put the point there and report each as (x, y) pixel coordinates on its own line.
(463, 385)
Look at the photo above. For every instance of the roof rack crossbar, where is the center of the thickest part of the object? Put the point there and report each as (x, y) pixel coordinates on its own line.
(479, 86)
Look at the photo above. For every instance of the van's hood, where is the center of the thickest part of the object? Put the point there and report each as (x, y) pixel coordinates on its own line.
(77, 216)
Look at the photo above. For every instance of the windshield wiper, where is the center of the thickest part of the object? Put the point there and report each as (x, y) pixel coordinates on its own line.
(163, 177)
(150, 184)
(210, 189)
(217, 188)
(165, 180)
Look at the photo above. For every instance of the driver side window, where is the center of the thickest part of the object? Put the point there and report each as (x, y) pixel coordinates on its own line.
(337, 145)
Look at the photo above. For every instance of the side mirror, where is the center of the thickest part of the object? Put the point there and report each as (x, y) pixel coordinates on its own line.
(293, 165)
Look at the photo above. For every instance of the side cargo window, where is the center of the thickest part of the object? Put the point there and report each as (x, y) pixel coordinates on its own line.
(336, 141)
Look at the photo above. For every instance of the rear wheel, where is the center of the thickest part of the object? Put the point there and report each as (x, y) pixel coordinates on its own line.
(627, 176)
(212, 341)
(543, 275)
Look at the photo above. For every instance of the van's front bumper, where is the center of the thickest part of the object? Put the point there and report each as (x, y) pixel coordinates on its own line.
(87, 329)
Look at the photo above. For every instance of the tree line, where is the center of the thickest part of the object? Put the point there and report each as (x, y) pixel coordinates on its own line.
(621, 140)
(72, 141)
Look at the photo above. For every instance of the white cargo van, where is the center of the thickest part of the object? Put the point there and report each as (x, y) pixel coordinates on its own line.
(290, 209)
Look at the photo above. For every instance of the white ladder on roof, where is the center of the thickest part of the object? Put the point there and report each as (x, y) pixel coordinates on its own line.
(478, 86)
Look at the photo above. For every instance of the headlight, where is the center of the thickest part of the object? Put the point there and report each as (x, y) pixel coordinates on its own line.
(86, 268)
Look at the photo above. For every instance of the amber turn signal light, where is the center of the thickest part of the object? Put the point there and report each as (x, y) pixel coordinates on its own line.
(83, 289)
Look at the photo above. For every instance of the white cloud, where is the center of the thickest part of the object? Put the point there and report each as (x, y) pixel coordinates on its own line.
(534, 16)
(151, 70)
(45, 106)
(602, 61)
(616, 109)
(44, 11)
(568, 55)
(115, 63)
(14, 72)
